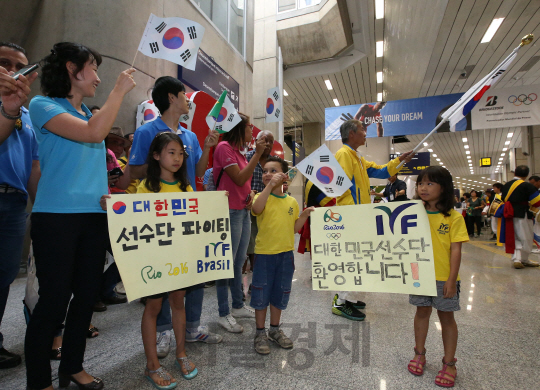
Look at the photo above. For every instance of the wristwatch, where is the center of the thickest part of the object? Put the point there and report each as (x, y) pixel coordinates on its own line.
(7, 116)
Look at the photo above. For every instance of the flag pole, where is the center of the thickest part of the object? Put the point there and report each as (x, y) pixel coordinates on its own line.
(524, 41)
(133, 62)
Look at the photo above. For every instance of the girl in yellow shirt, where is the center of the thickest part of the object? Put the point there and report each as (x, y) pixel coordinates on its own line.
(166, 173)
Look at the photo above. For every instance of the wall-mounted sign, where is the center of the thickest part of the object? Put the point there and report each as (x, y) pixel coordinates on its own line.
(210, 78)
(485, 162)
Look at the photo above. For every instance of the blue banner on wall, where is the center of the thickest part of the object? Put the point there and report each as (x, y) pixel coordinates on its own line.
(419, 162)
(210, 78)
(398, 117)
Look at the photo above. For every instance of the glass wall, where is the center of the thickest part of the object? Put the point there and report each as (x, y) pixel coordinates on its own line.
(291, 5)
(228, 16)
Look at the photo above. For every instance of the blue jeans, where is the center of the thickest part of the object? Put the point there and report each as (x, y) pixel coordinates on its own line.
(272, 280)
(240, 233)
(193, 305)
(12, 228)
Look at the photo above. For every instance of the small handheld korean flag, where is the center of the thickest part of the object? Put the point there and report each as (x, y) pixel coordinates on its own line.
(323, 170)
(146, 112)
(223, 117)
(173, 39)
(186, 120)
(274, 106)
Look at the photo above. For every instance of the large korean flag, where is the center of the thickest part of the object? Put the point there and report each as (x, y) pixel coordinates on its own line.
(226, 119)
(274, 106)
(323, 170)
(146, 112)
(173, 39)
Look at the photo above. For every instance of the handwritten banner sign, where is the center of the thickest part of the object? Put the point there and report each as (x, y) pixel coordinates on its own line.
(373, 247)
(167, 241)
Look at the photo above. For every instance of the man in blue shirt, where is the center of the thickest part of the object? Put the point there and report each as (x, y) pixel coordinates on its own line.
(19, 174)
(170, 98)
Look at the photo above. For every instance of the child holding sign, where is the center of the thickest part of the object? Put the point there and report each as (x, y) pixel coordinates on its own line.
(277, 221)
(166, 173)
(448, 231)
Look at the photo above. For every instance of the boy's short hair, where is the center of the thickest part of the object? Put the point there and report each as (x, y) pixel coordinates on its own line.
(283, 163)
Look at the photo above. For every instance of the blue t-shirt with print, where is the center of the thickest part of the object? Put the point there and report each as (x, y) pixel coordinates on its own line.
(17, 153)
(144, 136)
(73, 174)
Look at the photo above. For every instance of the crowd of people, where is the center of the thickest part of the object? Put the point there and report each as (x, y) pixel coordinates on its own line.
(81, 160)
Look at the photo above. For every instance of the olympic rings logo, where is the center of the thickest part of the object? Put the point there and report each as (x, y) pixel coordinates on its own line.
(333, 236)
(331, 216)
(522, 99)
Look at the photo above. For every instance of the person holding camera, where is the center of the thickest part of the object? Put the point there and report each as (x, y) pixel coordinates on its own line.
(19, 173)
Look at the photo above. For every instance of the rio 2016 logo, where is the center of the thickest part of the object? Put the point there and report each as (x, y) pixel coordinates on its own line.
(406, 220)
(331, 216)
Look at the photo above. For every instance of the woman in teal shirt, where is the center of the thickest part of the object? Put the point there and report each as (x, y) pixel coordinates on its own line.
(69, 225)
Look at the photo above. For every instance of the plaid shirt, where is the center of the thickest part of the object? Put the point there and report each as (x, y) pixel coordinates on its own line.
(256, 179)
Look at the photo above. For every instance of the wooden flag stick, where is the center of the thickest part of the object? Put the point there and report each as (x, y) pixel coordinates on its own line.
(133, 62)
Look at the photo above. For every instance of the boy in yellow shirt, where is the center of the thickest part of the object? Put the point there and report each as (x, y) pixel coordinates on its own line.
(277, 220)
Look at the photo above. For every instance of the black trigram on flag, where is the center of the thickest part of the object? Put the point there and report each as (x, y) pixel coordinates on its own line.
(277, 113)
(186, 55)
(220, 127)
(325, 158)
(230, 118)
(339, 180)
(192, 32)
(161, 27)
(154, 47)
(309, 170)
(276, 96)
(329, 190)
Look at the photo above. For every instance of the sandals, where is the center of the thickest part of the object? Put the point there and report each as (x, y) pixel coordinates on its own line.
(163, 375)
(56, 353)
(191, 371)
(91, 331)
(414, 365)
(443, 372)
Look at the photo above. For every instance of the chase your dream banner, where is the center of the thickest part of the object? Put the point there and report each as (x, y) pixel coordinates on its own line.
(505, 107)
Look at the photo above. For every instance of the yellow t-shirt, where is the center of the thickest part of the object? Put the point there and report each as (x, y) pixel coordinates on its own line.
(132, 189)
(444, 231)
(276, 225)
(165, 187)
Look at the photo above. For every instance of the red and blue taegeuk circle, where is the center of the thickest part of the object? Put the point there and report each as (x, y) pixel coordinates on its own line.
(269, 106)
(119, 207)
(222, 115)
(325, 175)
(149, 114)
(173, 38)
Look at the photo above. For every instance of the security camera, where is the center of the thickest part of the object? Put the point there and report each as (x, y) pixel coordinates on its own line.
(463, 74)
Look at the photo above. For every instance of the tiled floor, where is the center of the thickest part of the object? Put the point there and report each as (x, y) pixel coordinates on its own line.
(498, 344)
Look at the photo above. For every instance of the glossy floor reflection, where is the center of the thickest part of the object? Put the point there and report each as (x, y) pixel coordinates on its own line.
(498, 347)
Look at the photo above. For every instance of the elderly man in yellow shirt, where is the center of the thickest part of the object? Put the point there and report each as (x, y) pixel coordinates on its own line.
(353, 135)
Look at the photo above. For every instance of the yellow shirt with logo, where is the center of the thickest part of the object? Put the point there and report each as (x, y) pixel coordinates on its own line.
(445, 231)
(165, 187)
(276, 225)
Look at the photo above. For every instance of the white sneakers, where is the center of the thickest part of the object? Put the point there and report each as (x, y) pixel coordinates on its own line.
(230, 325)
(243, 312)
(163, 343)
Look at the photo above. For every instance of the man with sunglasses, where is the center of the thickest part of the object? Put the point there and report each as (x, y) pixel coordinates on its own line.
(19, 173)
(169, 96)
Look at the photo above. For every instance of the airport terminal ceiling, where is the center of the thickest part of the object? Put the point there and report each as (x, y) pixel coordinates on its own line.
(429, 47)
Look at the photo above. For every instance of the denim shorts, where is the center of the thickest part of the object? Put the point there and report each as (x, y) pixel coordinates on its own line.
(438, 302)
(272, 280)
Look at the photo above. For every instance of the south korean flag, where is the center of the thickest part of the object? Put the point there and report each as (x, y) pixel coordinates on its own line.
(187, 119)
(146, 112)
(323, 170)
(173, 39)
(274, 105)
